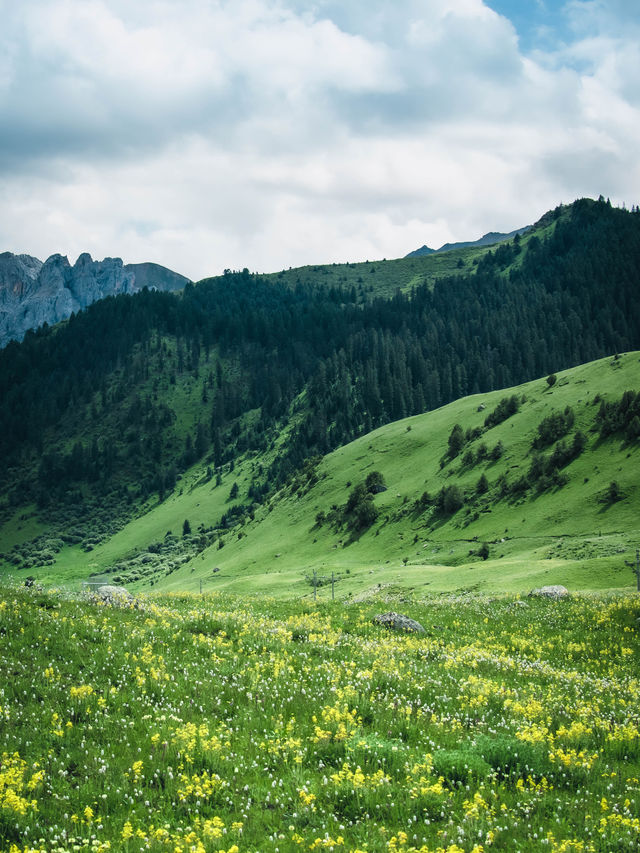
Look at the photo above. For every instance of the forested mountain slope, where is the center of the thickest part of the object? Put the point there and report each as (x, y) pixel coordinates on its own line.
(100, 416)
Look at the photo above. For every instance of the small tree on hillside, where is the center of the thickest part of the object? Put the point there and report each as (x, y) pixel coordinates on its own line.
(375, 483)
(497, 451)
(455, 441)
(365, 513)
(450, 499)
(613, 493)
(360, 510)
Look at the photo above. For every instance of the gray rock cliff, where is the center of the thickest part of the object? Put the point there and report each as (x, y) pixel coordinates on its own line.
(33, 293)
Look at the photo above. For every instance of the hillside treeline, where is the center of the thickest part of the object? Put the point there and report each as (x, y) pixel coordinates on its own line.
(94, 404)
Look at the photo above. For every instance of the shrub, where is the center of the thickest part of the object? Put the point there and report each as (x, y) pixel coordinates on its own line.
(503, 485)
(613, 494)
(357, 494)
(365, 513)
(360, 511)
(579, 443)
(519, 486)
(554, 426)
(633, 430)
(510, 756)
(621, 416)
(468, 459)
(458, 765)
(450, 499)
(375, 483)
(455, 441)
(507, 407)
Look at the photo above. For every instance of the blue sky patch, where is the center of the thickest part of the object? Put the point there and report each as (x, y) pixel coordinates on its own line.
(540, 24)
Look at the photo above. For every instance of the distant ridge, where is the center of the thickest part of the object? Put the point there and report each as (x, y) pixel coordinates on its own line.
(488, 239)
(33, 293)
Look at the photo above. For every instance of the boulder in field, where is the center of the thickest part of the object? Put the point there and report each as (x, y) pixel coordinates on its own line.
(555, 591)
(114, 596)
(399, 622)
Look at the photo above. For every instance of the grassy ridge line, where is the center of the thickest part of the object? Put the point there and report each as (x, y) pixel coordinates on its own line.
(383, 278)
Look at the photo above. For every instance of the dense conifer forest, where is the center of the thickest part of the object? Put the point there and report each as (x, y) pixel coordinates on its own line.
(118, 401)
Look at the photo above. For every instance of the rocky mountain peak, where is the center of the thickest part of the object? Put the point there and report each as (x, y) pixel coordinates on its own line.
(32, 292)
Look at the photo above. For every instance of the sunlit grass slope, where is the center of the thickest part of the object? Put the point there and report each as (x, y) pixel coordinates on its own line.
(223, 724)
(498, 540)
(570, 535)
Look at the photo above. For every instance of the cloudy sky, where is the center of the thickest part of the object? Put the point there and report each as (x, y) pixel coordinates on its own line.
(204, 134)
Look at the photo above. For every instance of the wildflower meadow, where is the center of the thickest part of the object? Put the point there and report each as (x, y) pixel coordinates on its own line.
(235, 725)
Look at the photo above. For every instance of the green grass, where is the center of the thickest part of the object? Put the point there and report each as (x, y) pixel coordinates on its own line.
(382, 278)
(21, 526)
(567, 535)
(222, 723)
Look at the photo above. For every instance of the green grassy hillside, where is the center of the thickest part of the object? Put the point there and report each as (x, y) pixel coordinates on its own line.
(372, 279)
(504, 537)
(570, 535)
(383, 278)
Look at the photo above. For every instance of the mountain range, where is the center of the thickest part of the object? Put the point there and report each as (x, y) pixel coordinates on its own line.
(33, 293)
(489, 239)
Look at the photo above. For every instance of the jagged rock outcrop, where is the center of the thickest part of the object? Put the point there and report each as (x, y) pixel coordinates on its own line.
(33, 293)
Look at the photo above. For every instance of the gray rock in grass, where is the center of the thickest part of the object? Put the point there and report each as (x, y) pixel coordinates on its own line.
(555, 591)
(399, 622)
(115, 596)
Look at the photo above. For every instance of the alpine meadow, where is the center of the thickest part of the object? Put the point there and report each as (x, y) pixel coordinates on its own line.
(218, 504)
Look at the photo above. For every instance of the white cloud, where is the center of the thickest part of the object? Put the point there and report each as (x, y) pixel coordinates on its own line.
(270, 133)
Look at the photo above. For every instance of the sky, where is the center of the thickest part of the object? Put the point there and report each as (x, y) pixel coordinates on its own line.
(213, 134)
